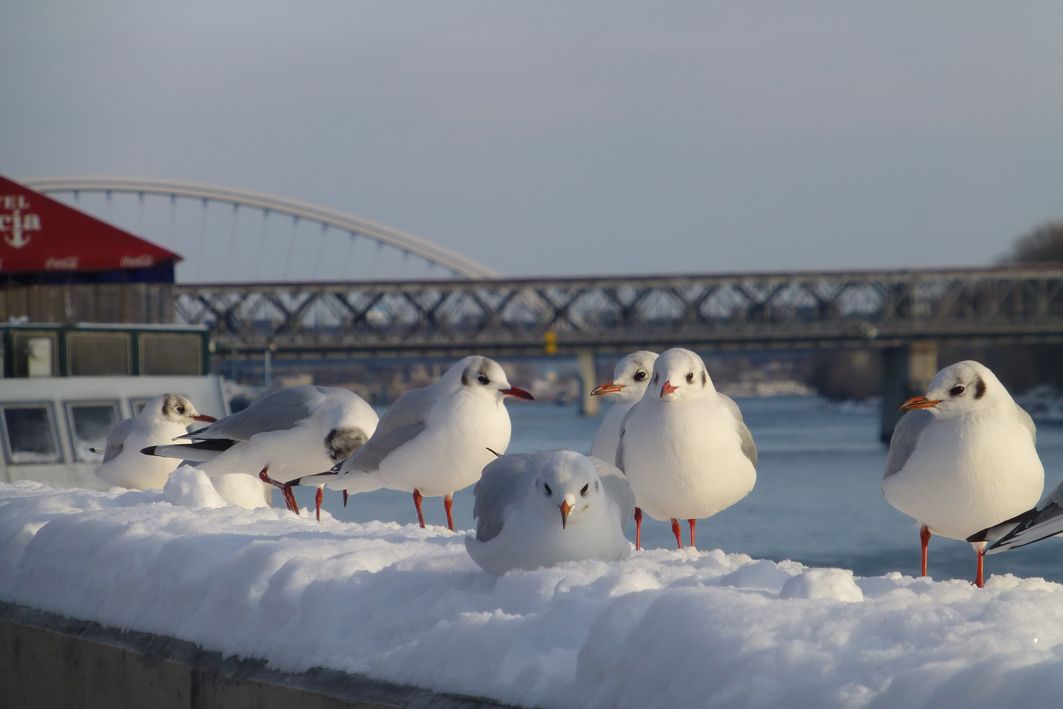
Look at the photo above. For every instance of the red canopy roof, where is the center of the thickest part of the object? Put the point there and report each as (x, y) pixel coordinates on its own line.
(38, 233)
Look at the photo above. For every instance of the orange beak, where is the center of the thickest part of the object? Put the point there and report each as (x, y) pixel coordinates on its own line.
(518, 393)
(607, 388)
(565, 509)
(204, 417)
(667, 389)
(919, 402)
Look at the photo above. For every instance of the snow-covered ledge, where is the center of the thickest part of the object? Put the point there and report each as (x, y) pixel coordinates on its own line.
(406, 605)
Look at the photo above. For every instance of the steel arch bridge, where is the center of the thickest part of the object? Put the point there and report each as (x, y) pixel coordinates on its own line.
(450, 263)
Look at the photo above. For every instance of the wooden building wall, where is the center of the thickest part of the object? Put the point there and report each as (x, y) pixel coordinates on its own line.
(94, 302)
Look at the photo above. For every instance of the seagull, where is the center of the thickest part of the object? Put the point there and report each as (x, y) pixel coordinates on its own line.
(283, 435)
(161, 419)
(630, 379)
(962, 458)
(1033, 525)
(684, 446)
(434, 440)
(540, 509)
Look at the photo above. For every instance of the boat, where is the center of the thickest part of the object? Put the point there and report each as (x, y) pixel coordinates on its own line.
(64, 386)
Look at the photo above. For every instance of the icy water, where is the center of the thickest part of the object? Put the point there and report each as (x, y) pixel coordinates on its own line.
(817, 498)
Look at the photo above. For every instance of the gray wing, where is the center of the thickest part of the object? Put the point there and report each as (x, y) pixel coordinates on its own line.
(749, 448)
(616, 485)
(116, 439)
(1027, 421)
(278, 411)
(403, 422)
(1031, 526)
(905, 438)
(496, 492)
(620, 443)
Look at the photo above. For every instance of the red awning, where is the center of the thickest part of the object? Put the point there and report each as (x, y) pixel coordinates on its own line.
(38, 234)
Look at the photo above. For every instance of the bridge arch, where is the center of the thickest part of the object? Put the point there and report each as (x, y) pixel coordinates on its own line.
(458, 265)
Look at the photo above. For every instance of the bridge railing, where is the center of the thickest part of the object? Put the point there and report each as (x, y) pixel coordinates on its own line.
(793, 310)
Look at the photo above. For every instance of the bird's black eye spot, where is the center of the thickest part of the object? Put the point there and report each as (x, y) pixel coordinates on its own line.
(640, 375)
(548, 490)
(584, 489)
(180, 409)
(956, 390)
(690, 377)
(483, 379)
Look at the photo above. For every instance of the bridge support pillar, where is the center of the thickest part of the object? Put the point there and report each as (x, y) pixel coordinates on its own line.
(906, 372)
(588, 379)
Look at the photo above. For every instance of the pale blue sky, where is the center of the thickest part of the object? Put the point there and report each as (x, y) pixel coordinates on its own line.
(568, 137)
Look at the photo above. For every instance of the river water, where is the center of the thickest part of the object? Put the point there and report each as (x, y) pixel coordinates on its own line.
(817, 499)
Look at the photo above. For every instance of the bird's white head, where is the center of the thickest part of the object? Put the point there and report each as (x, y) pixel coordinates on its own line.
(679, 375)
(566, 485)
(482, 376)
(630, 377)
(959, 389)
(176, 408)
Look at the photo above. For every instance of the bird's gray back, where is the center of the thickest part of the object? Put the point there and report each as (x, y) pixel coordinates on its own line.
(497, 491)
(403, 422)
(905, 439)
(749, 448)
(115, 440)
(278, 411)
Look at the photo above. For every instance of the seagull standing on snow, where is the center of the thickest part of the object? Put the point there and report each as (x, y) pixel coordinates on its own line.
(283, 435)
(163, 418)
(542, 509)
(435, 440)
(684, 446)
(963, 458)
(630, 379)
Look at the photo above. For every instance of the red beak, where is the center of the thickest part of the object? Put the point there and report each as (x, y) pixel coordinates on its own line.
(204, 417)
(565, 509)
(667, 389)
(607, 388)
(519, 393)
(919, 402)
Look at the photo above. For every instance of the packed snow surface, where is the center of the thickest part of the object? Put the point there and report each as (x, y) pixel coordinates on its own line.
(395, 602)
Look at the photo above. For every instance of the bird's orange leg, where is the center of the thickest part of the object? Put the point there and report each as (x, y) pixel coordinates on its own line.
(677, 532)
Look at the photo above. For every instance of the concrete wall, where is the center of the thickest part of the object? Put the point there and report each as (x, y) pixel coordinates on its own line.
(48, 660)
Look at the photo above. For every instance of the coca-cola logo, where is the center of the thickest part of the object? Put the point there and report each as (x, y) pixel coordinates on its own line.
(136, 261)
(17, 224)
(65, 263)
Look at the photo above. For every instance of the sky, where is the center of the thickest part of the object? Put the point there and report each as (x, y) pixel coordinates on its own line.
(573, 138)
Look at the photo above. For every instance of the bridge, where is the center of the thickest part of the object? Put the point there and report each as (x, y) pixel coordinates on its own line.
(903, 314)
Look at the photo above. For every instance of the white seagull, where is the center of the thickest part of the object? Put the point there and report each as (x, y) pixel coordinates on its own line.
(684, 446)
(161, 419)
(283, 435)
(435, 440)
(541, 509)
(962, 458)
(630, 379)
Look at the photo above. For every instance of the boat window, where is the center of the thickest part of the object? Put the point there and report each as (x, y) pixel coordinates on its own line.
(90, 422)
(167, 353)
(29, 434)
(99, 353)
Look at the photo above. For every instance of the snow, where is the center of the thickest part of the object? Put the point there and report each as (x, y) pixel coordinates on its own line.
(406, 604)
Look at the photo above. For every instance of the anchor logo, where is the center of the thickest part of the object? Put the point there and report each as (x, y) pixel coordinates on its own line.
(15, 225)
(17, 238)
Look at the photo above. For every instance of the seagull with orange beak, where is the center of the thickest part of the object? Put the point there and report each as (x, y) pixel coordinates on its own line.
(963, 458)
(630, 379)
(684, 446)
(541, 509)
(435, 440)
